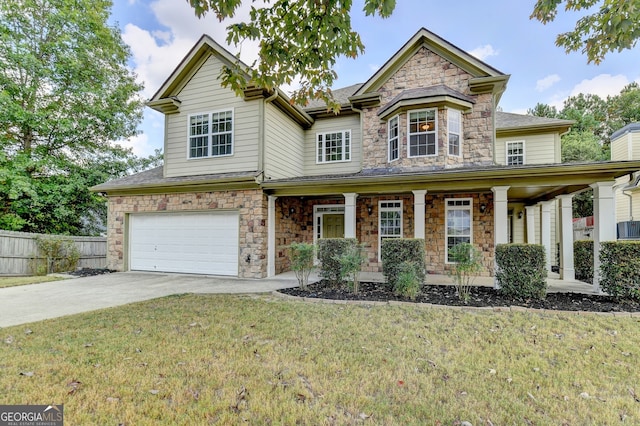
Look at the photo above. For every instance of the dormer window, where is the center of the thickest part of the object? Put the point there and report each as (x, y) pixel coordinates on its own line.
(422, 134)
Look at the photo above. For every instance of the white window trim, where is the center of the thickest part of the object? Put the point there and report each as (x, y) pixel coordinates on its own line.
(210, 114)
(506, 152)
(447, 208)
(388, 209)
(397, 118)
(344, 151)
(409, 134)
(449, 110)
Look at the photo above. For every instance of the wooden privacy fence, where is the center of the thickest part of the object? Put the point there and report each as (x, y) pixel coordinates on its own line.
(18, 249)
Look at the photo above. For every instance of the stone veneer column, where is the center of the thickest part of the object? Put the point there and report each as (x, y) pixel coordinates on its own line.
(350, 214)
(604, 224)
(418, 213)
(545, 231)
(500, 218)
(531, 223)
(271, 236)
(567, 269)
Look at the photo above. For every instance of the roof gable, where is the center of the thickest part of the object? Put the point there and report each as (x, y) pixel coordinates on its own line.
(483, 74)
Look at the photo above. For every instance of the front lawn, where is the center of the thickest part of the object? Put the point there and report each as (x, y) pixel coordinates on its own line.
(15, 281)
(205, 359)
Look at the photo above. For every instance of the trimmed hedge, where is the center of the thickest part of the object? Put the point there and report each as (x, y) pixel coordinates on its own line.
(329, 252)
(583, 260)
(521, 271)
(620, 269)
(396, 251)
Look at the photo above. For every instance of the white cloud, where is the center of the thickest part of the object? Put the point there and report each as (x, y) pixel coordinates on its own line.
(602, 85)
(547, 82)
(139, 144)
(484, 52)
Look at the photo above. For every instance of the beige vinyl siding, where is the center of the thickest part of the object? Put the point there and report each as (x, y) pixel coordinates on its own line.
(620, 148)
(623, 212)
(518, 224)
(203, 94)
(538, 149)
(555, 229)
(333, 124)
(284, 145)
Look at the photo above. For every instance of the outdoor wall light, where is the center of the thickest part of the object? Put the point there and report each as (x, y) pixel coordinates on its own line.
(520, 214)
(292, 210)
(483, 208)
(369, 210)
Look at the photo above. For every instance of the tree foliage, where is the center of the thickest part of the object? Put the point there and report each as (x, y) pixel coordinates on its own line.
(65, 95)
(612, 26)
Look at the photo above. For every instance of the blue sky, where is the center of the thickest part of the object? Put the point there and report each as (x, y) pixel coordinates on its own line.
(161, 32)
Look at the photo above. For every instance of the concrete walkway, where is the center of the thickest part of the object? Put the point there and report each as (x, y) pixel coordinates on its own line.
(29, 303)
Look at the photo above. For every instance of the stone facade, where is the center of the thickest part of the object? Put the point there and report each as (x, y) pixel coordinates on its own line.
(294, 223)
(427, 69)
(250, 204)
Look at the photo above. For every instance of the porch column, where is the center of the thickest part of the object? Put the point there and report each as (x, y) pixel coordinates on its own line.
(531, 223)
(418, 213)
(350, 214)
(500, 219)
(545, 231)
(604, 224)
(567, 270)
(271, 236)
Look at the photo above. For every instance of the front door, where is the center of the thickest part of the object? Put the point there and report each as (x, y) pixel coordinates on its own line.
(333, 226)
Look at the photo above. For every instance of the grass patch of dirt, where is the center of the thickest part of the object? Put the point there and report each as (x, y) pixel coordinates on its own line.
(222, 359)
(16, 281)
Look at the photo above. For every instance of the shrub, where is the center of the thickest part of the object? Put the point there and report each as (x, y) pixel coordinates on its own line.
(521, 271)
(329, 252)
(55, 254)
(409, 281)
(395, 251)
(620, 269)
(350, 265)
(302, 261)
(468, 263)
(583, 260)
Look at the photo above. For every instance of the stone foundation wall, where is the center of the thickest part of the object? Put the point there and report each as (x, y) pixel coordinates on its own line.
(250, 204)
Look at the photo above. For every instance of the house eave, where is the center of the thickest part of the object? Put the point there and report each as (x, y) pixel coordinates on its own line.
(433, 101)
(532, 129)
(181, 186)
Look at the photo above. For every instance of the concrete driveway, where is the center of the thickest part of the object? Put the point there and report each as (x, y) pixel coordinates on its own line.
(29, 303)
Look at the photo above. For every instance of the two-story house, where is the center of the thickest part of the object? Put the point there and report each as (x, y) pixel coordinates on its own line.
(418, 150)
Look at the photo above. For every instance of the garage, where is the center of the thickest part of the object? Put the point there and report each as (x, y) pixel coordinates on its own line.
(193, 242)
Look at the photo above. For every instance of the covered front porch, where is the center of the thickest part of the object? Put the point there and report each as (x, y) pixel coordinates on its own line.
(494, 204)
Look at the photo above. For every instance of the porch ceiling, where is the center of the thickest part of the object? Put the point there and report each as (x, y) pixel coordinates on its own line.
(529, 184)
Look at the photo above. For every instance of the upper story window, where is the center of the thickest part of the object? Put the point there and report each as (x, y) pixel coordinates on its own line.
(454, 127)
(334, 146)
(211, 134)
(423, 128)
(515, 153)
(458, 216)
(394, 138)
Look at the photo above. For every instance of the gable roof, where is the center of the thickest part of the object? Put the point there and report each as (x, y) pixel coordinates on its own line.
(484, 74)
(507, 122)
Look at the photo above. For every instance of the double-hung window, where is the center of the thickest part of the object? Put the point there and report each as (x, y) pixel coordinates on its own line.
(422, 132)
(211, 134)
(394, 138)
(334, 146)
(459, 219)
(515, 153)
(454, 128)
(390, 221)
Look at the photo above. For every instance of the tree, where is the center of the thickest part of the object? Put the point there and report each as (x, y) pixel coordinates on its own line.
(614, 26)
(543, 110)
(65, 95)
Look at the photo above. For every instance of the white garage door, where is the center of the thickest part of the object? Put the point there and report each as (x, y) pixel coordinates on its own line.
(197, 243)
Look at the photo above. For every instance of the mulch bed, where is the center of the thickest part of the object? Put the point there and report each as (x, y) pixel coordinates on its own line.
(480, 297)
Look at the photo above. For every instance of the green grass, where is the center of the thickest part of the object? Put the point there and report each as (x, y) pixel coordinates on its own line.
(206, 359)
(15, 281)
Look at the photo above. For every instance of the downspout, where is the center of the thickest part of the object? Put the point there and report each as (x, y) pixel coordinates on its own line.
(624, 192)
